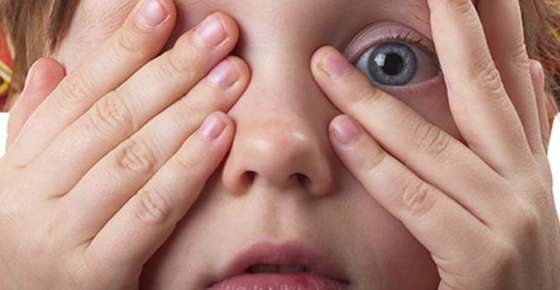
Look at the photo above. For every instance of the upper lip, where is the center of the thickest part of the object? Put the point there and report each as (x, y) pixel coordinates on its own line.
(291, 253)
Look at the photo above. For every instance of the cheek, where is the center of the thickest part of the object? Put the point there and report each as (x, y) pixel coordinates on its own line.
(93, 23)
(183, 260)
(380, 244)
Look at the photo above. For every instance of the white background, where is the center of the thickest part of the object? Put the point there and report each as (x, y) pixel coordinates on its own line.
(554, 151)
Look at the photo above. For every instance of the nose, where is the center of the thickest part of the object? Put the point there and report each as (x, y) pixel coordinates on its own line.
(281, 140)
(277, 153)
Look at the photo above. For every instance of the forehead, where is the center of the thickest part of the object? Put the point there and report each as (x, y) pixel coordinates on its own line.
(308, 15)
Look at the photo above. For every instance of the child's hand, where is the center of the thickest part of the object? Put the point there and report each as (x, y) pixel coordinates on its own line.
(484, 210)
(99, 176)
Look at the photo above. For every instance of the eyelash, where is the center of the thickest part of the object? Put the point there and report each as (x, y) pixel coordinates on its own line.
(407, 38)
(367, 40)
(378, 34)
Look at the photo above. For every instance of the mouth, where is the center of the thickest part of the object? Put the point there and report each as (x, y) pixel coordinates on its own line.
(279, 267)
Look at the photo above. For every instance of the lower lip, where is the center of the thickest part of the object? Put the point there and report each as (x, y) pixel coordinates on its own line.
(279, 282)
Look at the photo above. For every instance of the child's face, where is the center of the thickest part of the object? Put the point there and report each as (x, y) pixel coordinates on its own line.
(282, 182)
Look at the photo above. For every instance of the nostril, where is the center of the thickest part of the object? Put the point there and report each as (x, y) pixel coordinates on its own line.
(303, 180)
(249, 177)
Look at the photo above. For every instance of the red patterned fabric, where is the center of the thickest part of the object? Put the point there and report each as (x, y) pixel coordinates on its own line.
(6, 65)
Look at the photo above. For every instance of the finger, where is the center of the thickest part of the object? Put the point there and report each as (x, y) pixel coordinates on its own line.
(503, 25)
(150, 216)
(42, 79)
(537, 77)
(128, 49)
(479, 104)
(153, 88)
(445, 228)
(428, 151)
(128, 168)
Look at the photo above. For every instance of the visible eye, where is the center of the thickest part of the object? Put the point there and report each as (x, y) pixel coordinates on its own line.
(396, 63)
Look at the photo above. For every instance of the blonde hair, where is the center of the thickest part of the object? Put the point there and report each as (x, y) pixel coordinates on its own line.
(35, 27)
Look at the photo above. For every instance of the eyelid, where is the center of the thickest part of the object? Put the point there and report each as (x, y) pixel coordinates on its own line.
(379, 32)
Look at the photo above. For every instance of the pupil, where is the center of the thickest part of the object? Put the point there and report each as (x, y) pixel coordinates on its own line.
(393, 64)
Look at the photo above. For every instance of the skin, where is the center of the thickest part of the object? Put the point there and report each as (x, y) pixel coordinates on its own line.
(448, 205)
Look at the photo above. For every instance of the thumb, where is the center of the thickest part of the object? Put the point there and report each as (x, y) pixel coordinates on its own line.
(43, 77)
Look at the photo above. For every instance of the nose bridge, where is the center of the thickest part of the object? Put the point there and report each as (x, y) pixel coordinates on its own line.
(281, 138)
(282, 82)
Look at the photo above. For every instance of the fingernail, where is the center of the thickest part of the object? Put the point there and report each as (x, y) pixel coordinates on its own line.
(151, 14)
(336, 65)
(344, 130)
(211, 31)
(224, 74)
(212, 127)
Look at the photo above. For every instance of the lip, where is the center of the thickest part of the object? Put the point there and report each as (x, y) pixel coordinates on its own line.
(318, 269)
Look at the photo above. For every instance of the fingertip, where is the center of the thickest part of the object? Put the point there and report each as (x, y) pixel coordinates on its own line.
(538, 80)
(43, 77)
(329, 61)
(322, 51)
(344, 130)
(45, 72)
(230, 25)
(242, 67)
(537, 73)
(231, 74)
(319, 56)
(226, 138)
(224, 117)
(216, 126)
(170, 7)
(152, 15)
(228, 122)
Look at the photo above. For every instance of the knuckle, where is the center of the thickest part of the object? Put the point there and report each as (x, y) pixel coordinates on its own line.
(190, 108)
(183, 59)
(418, 197)
(503, 259)
(74, 90)
(519, 54)
(460, 7)
(368, 97)
(137, 156)
(111, 114)
(488, 75)
(42, 241)
(374, 160)
(187, 163)
(155, 206)
(429, 139)
(127, 43)
(525, 223)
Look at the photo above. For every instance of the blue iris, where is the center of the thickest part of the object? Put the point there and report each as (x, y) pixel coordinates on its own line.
(392, 64)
